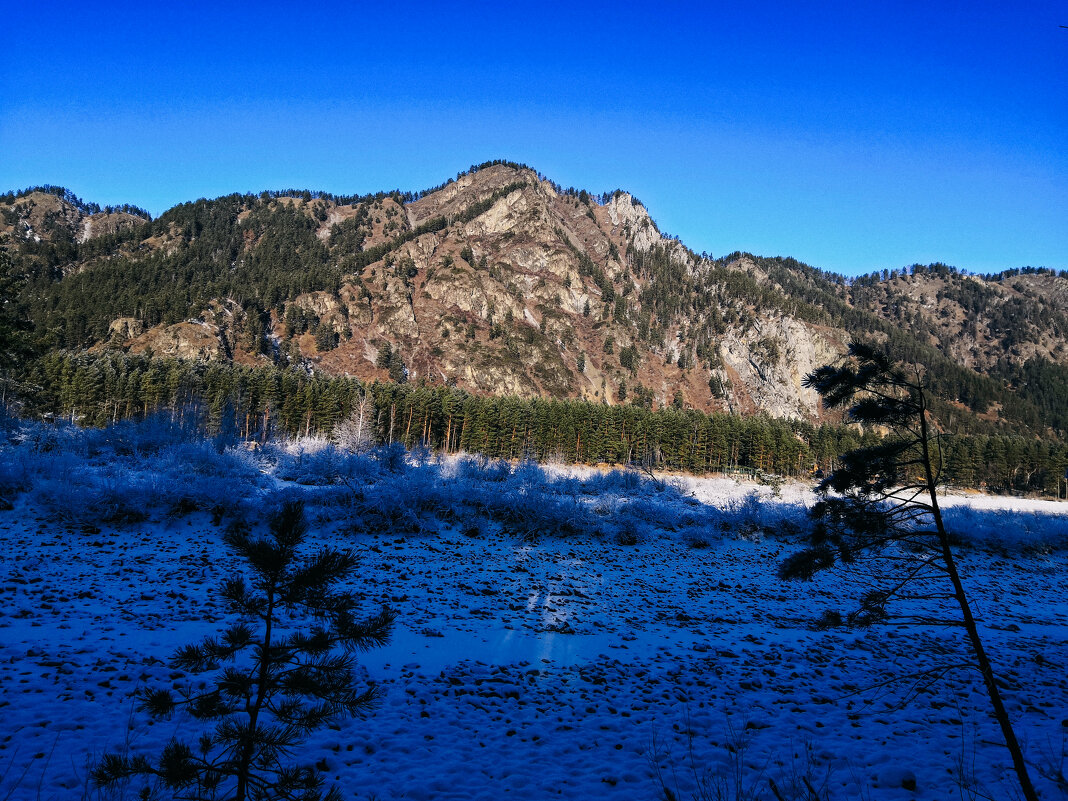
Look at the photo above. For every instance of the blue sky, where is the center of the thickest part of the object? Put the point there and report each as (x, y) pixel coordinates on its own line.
(852, 136)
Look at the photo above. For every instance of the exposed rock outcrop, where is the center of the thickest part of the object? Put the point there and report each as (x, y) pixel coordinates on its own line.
(187, 340)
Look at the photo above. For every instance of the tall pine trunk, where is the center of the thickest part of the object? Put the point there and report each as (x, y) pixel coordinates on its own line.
(985, 668)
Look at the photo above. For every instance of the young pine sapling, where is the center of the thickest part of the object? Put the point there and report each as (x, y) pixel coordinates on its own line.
(282, 671)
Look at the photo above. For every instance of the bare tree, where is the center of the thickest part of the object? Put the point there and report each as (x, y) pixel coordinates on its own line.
(354, 433)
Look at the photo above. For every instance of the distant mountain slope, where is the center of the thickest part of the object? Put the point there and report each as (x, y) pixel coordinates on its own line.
(502, 282)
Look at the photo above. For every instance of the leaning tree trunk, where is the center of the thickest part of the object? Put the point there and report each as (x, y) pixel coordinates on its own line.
(985, 667)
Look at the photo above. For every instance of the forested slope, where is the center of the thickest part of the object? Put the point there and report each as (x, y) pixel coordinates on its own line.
(500, 282)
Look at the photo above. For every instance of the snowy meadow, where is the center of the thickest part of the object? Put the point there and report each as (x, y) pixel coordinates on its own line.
(561, 631)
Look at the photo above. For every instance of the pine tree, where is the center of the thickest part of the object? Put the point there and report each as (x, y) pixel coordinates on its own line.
(397, 371)
(882, 500)
(270, 689)
(385, 356)
(14, 329)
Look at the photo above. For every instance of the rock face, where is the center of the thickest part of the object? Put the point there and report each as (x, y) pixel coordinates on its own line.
(51, 214)
(767, 364)
(502, 282)
(101, 224)
(188, 340)
(124, 328)
(629, 218)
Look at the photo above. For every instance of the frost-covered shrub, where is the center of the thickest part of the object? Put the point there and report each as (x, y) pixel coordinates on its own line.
(355, 433)
(671, 517)
(312, 461)
(698, 538)
(151, 435)
(326, 467)
(201, 458)
(38, 458)
(393, 458)
(627, 533)
(531, 516)
(605, 507)
(424, 491)
(47, 438)
(11, 426)
(402, 502)
(97, 497)
(745, 514)
(379, 512)
(627, 482)
(624, 482)
(360, 468)
(1006, 529)
(17, 473)
(757, 515)
(319, 468)
(787, 520)
(696, 524)
(219, 496)
(480, 469)
(528, 476)
(421, 455)
(192, 475)
(128, 472)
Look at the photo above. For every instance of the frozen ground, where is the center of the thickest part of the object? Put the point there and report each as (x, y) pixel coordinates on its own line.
(581, 636)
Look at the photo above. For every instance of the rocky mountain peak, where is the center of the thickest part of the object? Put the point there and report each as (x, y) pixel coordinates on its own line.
(500, 281)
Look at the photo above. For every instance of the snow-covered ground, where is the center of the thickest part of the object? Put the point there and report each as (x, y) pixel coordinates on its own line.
(563, 634)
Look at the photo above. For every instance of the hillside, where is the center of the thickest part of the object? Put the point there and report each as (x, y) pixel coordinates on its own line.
(502, 282)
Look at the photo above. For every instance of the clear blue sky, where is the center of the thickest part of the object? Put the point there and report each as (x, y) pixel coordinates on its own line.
(853, 136)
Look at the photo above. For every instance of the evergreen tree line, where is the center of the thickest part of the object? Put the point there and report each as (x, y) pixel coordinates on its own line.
(66, 195)
(261, 402)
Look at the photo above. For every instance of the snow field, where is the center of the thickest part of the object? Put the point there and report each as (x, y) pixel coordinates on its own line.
(536, 656)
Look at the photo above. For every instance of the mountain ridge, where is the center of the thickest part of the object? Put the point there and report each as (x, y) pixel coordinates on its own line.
(502, 282)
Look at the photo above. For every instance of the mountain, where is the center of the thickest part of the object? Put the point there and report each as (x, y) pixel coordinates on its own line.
(502, 282)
